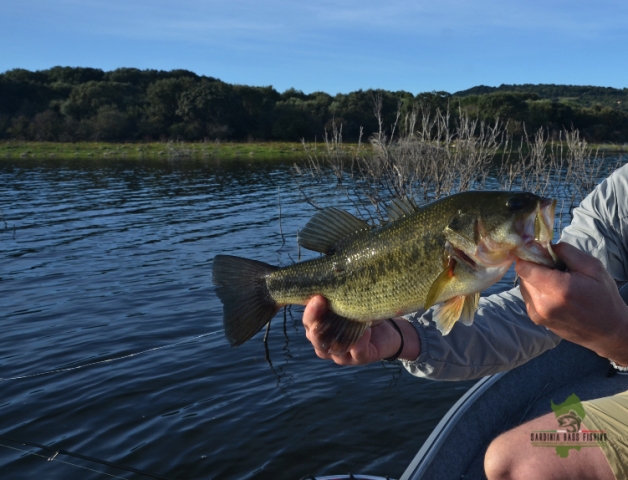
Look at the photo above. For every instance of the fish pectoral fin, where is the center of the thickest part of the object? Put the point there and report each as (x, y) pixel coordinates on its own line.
(447, 314)
(469, 308)
(327, 228)
(337, 334)
(462, 307)
(439, 285)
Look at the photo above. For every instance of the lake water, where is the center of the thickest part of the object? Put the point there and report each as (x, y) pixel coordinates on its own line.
(112, 343)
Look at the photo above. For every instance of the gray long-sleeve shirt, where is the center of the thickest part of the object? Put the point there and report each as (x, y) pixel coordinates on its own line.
(502, 335)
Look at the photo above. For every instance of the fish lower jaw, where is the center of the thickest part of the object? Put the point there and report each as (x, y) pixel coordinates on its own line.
(485, 258)
(536, 252)
(490, 275)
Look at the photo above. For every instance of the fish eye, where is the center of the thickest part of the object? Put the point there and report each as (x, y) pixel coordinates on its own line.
(514, 203)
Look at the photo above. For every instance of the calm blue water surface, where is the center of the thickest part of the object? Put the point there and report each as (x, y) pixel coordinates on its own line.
(106, 282)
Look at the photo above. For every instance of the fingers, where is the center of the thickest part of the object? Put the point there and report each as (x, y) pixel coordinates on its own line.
(312, 315)
(541, 288)
(525, 269)
(577, 260)
(535, 278)
(314, 311)
(528, 300)
(359, 354)
(551, 295)
(377, 342)
(538, 281)
(545, 279)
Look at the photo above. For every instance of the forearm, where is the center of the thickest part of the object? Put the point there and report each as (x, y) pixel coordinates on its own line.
(501, 338)
(618, 351)
(615, 345)
(411, 346)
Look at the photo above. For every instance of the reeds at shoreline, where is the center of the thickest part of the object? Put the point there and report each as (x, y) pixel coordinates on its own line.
(433, 156)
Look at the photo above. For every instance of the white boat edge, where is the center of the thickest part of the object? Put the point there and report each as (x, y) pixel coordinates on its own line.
(434, 442)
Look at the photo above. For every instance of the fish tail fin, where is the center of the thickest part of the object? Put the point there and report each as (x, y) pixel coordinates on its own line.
(242, 289)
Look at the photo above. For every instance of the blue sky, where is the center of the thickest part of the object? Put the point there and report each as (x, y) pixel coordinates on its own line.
(333, 46)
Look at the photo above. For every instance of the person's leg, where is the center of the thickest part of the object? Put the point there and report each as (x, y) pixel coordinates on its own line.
(512, 456)
(610, 414)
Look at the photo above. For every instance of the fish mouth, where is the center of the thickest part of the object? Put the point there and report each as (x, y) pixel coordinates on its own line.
(537, 234)
(460, 255)
(531, 241)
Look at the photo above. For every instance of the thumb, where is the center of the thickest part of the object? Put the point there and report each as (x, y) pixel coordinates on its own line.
(576, 260)
(317, 305)
(314, 311)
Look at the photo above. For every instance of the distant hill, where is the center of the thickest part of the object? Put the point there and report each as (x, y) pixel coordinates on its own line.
(584, 96)
(127, 104)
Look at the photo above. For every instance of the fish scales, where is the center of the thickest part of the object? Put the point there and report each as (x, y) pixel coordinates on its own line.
(378, 274)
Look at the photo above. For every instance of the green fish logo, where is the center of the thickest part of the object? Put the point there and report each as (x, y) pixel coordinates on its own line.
(569, 414)
(571, 421)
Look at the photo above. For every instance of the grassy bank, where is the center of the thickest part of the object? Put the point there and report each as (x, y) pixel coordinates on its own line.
(254, 150)
(224, 150)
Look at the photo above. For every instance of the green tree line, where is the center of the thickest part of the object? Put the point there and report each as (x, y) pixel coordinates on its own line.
(128, 104)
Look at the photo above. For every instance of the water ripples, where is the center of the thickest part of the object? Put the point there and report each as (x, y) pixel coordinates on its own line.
(106, 279)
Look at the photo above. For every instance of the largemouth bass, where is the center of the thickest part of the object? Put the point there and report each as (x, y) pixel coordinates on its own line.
(444, 253)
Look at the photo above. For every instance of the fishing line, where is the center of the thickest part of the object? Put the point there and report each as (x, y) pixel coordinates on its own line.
(108, 360)
(82, 457)
(50, 459)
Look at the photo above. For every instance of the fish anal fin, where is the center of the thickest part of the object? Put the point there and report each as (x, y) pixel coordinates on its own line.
(469, 308)
(439, 285)
(447, 314)
(338, 334)
(327, 228)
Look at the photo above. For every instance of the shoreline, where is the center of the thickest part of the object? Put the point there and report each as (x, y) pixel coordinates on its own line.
(217, 150)
(156, 150)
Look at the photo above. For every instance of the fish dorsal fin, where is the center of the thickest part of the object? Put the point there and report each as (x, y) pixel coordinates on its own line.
(327, 228)
(400, 207)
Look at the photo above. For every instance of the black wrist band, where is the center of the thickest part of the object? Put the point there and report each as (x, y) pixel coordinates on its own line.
(396, 355)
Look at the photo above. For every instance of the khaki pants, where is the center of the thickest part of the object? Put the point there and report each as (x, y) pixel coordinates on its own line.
(611, 415)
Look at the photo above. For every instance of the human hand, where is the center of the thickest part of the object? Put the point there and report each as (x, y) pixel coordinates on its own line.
(581, 305)
(378, 342)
